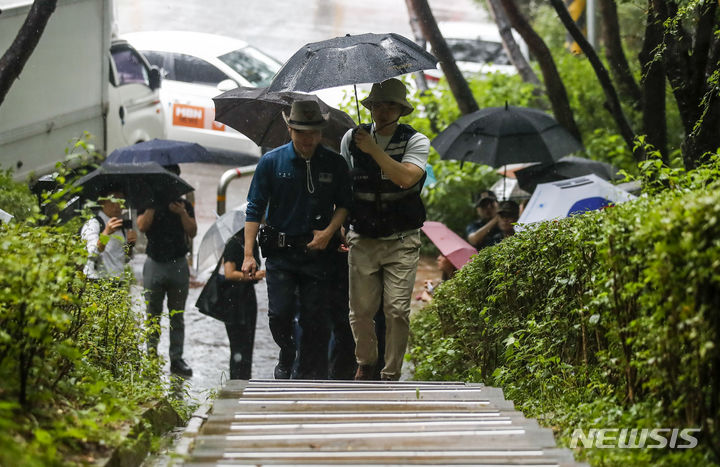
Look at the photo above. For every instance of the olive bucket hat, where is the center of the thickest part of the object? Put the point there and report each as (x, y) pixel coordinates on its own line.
(390, 90)
(305, 115)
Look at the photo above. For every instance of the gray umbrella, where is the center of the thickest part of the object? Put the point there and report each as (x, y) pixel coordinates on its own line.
(364, 58)
(258, 114)
(497, 136)
(567, 167)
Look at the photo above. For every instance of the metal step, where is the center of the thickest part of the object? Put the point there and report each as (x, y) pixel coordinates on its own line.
(291, 422)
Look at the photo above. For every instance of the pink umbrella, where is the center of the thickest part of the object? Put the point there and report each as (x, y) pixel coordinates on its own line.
(450, 244)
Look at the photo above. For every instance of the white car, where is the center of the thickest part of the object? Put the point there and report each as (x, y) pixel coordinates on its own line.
(197, 67)
(477, 48)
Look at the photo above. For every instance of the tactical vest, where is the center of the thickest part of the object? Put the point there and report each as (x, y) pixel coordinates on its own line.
(380, 207)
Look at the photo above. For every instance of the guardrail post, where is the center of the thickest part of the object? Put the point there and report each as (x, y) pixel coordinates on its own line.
(225, 180)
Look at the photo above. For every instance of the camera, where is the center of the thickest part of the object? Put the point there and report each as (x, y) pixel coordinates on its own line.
(127, 224)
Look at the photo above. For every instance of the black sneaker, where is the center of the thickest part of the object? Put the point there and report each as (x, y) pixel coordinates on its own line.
(282, 371)
(179, 367)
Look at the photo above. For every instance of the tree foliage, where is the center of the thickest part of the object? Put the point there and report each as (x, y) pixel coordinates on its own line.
(73, 370)
(607, 319)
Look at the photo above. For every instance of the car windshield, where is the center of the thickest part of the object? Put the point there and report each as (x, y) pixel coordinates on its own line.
(475, 50)
(253, 65)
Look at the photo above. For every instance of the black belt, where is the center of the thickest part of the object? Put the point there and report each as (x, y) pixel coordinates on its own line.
(293, 241)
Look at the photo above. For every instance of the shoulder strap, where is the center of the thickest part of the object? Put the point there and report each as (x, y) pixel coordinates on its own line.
(101, 222)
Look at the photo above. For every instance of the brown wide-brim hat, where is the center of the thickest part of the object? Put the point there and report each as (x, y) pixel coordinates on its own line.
(390, 90)
(306, 115)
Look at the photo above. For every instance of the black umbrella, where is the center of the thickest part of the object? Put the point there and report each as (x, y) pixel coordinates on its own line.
(498, 136)
(257, 114)
(365, 58)
(169, 152)
(144, 184)
(566, 167)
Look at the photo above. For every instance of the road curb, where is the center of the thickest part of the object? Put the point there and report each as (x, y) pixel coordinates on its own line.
(156, 420)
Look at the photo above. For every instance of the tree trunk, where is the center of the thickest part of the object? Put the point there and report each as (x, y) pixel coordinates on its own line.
(612, 102)
(459, 87)
(690, 62)
(653, 86)
(511, 46)
(553, 83)
(14, 59)
(419, 77)
(615, 55)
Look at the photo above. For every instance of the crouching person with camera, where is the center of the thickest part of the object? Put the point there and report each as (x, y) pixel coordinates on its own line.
(108, 238)
(303, 188)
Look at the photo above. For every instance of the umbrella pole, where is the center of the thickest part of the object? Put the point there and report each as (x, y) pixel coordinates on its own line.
(357, 104)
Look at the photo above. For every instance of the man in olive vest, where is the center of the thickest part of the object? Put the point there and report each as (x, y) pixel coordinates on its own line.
(387, 161)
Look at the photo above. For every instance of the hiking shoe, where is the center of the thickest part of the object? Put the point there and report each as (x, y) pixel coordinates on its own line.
(365, 373)
(179, 367)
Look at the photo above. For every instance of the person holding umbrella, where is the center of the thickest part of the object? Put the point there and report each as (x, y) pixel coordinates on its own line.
(387, 161)
(303, 190)
(168, 228)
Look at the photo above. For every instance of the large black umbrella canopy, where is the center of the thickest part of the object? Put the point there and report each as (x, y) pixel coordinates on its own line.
(169, 152)
(258, 114)
(364, 58)
(567, 167)
(497, 136)
(145, 184)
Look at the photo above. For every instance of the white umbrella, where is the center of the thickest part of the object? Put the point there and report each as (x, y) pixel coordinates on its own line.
(572, 196)
(213, 242)
(508, 188)
(5, 217)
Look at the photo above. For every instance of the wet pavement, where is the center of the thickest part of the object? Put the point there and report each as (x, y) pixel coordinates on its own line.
(206, 344)
(283, 27)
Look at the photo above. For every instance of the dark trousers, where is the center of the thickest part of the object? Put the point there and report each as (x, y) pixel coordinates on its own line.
(172, 279)
(242, 340)
(298, 282)
(341, 349)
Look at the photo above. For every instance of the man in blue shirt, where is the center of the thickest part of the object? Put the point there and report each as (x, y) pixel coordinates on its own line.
(303, 189)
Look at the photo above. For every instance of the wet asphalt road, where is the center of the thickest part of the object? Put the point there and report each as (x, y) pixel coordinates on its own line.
(280, 27)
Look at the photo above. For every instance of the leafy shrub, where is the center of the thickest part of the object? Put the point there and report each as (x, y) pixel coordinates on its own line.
(16, 198)
(72, 368)
(608, 319)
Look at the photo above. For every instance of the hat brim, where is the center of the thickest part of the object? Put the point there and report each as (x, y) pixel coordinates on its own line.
(407, 109)
(318, 125)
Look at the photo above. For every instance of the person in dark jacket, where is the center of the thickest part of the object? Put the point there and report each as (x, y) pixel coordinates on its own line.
(304, 190)
(169, 229)
(240, 300)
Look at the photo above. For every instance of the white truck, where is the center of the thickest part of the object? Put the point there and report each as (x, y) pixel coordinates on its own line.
(78, 79)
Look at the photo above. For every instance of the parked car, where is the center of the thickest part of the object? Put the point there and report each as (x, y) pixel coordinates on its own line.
(197, 67)
(72, 84)
(477, 48)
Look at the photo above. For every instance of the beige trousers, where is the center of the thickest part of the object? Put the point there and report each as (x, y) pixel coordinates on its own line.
(382, 270)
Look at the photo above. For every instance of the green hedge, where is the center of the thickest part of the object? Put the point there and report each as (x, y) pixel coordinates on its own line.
(606, 320)
(72, 367)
